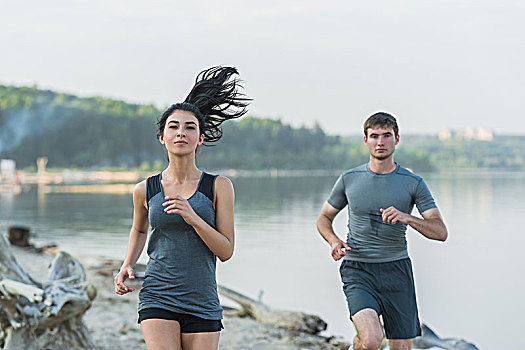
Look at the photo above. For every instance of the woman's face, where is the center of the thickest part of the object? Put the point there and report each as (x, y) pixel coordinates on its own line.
(181, 133)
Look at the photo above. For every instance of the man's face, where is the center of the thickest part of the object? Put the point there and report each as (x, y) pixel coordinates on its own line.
(381, 142)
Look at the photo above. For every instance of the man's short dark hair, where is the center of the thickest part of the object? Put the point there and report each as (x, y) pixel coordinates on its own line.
(383, 120)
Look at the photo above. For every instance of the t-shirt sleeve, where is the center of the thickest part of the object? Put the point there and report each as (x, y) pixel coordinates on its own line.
(337, 197)
(423, 198)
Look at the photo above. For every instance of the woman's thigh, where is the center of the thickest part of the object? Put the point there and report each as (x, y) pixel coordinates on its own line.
(198, 341)
(161, 334)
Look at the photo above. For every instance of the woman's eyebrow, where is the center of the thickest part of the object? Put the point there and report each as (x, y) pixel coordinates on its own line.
(177, 122)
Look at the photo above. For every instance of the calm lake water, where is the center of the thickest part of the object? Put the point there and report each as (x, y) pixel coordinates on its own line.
(468, 287)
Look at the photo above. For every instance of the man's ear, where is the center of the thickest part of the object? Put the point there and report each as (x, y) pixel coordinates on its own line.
(397, 139)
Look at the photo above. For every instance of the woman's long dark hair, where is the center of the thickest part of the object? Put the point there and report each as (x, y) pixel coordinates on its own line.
(213, 99)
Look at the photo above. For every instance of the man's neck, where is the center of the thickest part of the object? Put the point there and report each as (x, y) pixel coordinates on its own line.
(384, 166)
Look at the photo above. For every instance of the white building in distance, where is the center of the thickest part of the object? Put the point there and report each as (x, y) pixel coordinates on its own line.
(482, 134)
(7, 170)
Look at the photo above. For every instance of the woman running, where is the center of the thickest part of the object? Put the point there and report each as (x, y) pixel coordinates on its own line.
(191, 216)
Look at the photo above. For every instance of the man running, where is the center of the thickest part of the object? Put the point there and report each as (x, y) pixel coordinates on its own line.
(376, 270)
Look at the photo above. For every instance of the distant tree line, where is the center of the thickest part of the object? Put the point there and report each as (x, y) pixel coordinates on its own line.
(73, 131)
(503, 152)
(99, 132)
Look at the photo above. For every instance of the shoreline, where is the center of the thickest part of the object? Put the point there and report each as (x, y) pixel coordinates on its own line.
(123, 182)
(68, 176)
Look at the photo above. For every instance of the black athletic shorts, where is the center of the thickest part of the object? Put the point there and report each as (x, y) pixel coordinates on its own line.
(388, 288)
(188, 323)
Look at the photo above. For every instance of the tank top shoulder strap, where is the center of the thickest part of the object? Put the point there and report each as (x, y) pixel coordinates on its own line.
(207, 185)
(153, 186)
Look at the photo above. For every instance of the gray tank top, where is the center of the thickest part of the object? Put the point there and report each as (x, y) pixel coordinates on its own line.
(180, 274)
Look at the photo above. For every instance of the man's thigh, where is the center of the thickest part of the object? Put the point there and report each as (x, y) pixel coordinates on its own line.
(398, 301)
(387, 288)
(360, 286)
(367, 324)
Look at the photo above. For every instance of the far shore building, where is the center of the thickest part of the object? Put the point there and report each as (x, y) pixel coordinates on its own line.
(481, 134)
(7, 170)
(8, 177)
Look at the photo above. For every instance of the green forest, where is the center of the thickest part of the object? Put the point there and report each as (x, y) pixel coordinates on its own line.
(98, 132)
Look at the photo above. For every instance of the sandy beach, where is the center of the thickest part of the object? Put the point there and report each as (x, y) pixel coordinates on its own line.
(112, 319)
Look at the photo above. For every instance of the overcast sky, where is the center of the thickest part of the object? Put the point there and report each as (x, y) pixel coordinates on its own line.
(433, 64)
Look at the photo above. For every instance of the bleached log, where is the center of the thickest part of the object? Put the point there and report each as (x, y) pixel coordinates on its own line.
(429, 339)
(292, 320)
(9, 267)
(48, 315)
(14, 288)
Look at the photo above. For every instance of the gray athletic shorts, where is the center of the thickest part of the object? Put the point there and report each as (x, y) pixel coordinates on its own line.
(388, 288)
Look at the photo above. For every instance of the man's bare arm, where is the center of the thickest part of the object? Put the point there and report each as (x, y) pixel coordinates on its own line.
(325, 228)
(431, 226)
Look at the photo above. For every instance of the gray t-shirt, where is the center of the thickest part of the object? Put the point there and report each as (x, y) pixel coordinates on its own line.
(365, 192)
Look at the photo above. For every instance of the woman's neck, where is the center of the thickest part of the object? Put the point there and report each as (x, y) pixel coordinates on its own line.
(181, 169)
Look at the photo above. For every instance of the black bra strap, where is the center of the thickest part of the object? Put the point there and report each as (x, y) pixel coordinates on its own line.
(152, 186)
(207, 186)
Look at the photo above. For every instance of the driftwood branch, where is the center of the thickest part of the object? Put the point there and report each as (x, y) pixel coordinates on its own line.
(292, 320)
(429, 339)
(43, 315)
